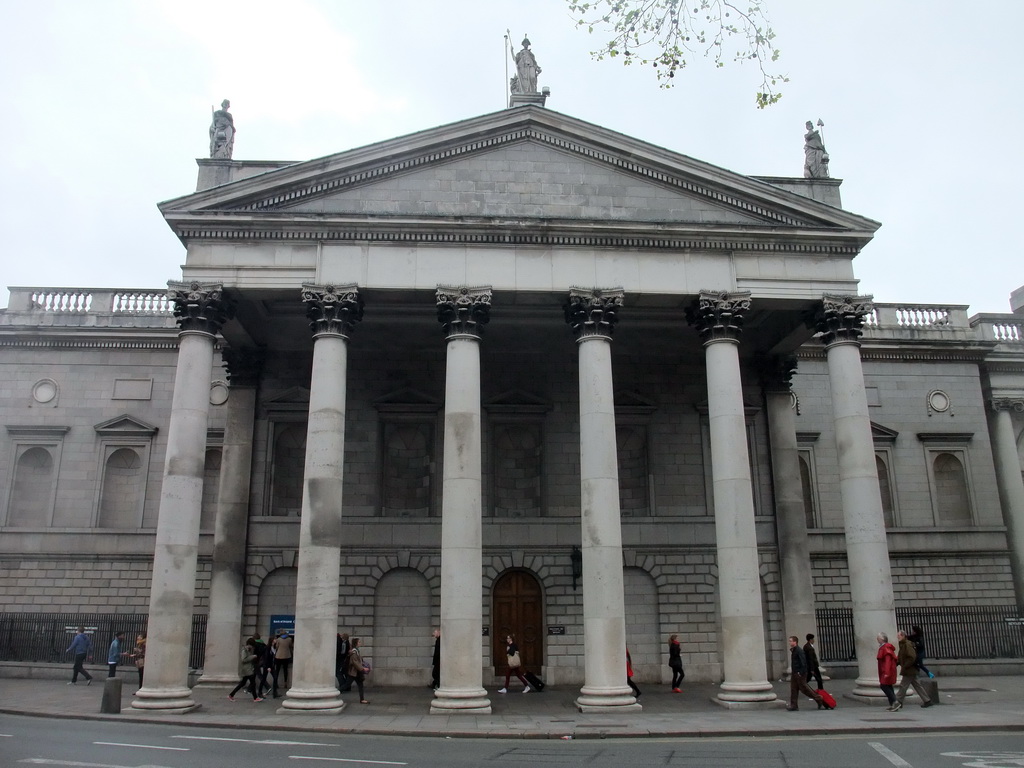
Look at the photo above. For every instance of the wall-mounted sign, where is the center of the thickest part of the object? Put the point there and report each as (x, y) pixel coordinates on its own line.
(486, 632)
(556, 630)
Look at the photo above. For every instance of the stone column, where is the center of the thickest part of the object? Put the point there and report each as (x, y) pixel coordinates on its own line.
(227, 585)
(463, 313)
(333, 312)
(201, 310)
(592, 315)
(719, 320)
(839, 320)
(790, 519)
(1011, 485)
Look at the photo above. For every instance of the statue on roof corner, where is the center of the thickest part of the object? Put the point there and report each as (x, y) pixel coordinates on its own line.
(222, 132)
(815, 156)
(527, 70)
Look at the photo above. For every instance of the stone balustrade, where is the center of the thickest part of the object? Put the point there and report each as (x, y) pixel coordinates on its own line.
(85, 301)
(999, 327)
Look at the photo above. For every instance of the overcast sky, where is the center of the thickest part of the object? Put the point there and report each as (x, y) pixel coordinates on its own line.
(106, 103)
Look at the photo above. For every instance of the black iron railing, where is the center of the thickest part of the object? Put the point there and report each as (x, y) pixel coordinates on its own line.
(44, 637)
(951, 632)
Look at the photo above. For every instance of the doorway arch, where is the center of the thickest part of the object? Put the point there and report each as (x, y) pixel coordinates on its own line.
(517, 608)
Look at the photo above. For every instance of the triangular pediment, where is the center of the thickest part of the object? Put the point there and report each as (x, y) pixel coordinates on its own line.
(291, 399)
(407, 400)
(883, 434)
(523, 164)
(125, 425)
(517, 401)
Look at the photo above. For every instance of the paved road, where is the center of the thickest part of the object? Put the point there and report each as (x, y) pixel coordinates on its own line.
(26, 741)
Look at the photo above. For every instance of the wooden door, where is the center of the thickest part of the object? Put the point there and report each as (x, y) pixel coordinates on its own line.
(517, 609)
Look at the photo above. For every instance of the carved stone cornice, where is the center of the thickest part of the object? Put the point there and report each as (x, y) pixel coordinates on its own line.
(200, 307)
(463, 311)
(776, 372)
(1007, 404)
(841, 318)
(332, 309)
(718, 315)
(243, 365)
(593, 312)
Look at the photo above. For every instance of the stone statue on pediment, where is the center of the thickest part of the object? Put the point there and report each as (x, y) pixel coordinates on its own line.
(222, 132)
(527, 70)
(815, 156)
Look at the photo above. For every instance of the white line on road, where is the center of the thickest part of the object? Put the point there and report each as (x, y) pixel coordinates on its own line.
(71, 764)
(889, 755)
(274, 742)
(139, 746)
(345, 760)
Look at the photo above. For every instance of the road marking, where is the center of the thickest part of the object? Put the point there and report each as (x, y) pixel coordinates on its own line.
(989, 759)
(274, 742)
(71, 764)
(139, 746)
(345, 760)
(889, 755)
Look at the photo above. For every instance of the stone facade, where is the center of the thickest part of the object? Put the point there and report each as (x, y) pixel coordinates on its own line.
(531, 205)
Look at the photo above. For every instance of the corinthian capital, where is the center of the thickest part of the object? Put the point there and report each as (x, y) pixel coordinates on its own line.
(462, 310)
(333, 309)
(1008, 404)
(200, 307)
(719, 314)
(243, 365)
(841, 318)
(593, 312)
(777, 372)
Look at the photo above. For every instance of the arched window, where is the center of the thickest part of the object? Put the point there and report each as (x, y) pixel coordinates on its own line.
(32, 490)
(121, 497)
(211, 489)
(954, 505)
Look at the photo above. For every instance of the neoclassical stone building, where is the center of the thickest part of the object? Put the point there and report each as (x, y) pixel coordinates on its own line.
(515, 374)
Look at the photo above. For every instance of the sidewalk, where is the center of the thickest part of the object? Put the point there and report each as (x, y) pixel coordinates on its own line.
(977, 703)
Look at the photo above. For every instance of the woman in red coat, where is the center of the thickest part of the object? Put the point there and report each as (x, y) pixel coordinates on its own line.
(886, 668)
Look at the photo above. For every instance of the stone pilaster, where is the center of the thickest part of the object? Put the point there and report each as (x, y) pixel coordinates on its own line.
(227, 584)
(1011, 484)
(463, 312)
(718, 317)
(840, 320)
(201, 309)
(333, 313)
(592, 315)
(790, 520)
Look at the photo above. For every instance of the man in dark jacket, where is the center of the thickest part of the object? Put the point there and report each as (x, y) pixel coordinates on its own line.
(906, 657)
(813, 669)
(798, 677)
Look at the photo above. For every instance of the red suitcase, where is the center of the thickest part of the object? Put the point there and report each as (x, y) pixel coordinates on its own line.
(827, 698)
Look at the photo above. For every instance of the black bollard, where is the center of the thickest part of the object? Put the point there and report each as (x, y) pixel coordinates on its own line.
(111, 702)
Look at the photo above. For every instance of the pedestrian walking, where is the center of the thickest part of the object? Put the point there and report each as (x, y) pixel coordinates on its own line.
(138, 655)
(247, 670)
(798, 677)
(916, 636)
(81, 646)
(283, 645)
(357, 669)
(114, 654)
(813, 668)
(515, 665)
(341, 649)
(629, 676)
(435, 667)
(886, 669)
(675, 663)
(907, 659)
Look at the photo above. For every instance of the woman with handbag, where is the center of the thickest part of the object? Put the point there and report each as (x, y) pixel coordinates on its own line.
(515, 665)
(675, 663)
(357, 669)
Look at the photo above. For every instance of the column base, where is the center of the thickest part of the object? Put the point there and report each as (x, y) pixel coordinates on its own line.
(459, 701)
(217, 681)
(167, 701)
(312, 701)
(746, 695)
(868, 692)
(607, 700)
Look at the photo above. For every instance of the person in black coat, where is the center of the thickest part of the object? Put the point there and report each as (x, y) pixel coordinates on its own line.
(813, 669)
(435, 668)
(798, 677)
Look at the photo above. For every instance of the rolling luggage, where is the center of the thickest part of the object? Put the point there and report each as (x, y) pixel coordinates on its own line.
(535, 682)
(828, 698)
